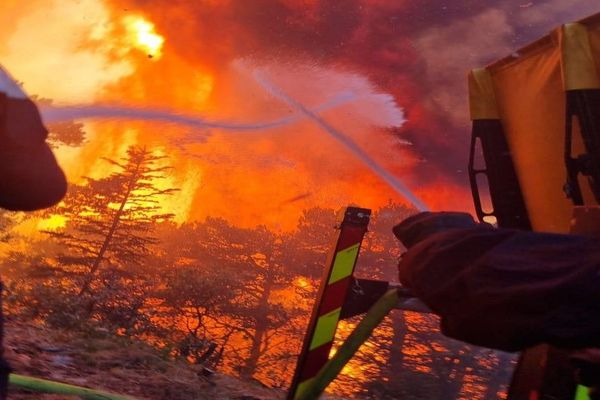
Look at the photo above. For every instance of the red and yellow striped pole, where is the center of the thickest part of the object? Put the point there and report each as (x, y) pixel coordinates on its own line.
(332, 295)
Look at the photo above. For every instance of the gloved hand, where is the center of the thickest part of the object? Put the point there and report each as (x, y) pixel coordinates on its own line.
(420, 226)
(587, 369)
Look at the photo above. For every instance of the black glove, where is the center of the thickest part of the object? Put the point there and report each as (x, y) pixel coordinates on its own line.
(420, 226)
(587, 367)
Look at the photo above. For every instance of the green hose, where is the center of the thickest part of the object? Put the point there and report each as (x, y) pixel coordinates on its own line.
(361, 334)
(45, 386)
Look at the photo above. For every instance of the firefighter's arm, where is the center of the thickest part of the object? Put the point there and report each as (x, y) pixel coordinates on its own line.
(501, 288)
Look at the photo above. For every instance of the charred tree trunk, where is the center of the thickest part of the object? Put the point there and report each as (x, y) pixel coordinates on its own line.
(499, 378)
(260, 327)
(111, 232)
(453, 382)
(391, 382)
(395, 371)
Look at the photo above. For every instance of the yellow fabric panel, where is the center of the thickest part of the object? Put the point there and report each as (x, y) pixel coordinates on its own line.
(530, 97)
(578, 61)
(343, 264)
(325, 329)
(529, 89)
(482, 99)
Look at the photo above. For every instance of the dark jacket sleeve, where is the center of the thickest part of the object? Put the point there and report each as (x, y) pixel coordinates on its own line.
(508, 289)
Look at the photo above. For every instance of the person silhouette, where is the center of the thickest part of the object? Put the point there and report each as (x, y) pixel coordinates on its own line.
(30, 177)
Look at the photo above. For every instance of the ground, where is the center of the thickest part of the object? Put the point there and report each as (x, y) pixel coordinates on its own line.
(116, 365)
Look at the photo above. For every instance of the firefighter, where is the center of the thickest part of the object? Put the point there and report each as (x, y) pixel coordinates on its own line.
(506, 289)
(30, 178)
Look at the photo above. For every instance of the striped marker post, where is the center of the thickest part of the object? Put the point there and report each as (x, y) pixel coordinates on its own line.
(332, 295)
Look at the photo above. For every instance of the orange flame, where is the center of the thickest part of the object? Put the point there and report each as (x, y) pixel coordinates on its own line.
(219, 175)
(143, 36)
(52, 223)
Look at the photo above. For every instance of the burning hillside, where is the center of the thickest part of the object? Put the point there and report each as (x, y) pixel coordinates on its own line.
(209, 146)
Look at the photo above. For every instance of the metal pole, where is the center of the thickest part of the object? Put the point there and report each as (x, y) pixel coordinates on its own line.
(361, 333)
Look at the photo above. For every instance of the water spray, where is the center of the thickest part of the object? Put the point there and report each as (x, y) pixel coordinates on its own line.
(346, 141)
(54, 114)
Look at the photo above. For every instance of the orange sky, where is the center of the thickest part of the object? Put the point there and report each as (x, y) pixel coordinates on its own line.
(91, 51)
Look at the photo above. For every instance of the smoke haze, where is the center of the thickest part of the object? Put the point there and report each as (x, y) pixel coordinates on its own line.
(403, 62)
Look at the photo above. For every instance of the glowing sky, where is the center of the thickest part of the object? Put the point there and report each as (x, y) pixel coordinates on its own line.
(194, 56)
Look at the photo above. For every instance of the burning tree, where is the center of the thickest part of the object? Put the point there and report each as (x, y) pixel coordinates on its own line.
(252, 316)
(194, 302)
(109, 235)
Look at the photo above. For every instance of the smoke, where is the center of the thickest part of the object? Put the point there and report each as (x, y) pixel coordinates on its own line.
(448, 51)
(62, 49)
(419, 52)
(347, 99)
(403, 62)
(345, 141)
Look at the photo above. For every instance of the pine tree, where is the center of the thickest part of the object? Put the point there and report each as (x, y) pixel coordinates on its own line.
(109, 232)
(256, 262)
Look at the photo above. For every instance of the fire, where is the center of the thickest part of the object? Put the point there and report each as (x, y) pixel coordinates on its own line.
(302, 283)
(143, 35)
(52, 223)
(218, 173)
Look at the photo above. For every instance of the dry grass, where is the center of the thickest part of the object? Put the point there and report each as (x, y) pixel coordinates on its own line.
(115, 365)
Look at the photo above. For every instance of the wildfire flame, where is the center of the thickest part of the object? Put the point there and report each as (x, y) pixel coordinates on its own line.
(217, 173)
(52, 223)
(143, 36)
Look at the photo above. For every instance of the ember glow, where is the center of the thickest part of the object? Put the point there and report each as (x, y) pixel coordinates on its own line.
(144, 36)
(53, 222)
